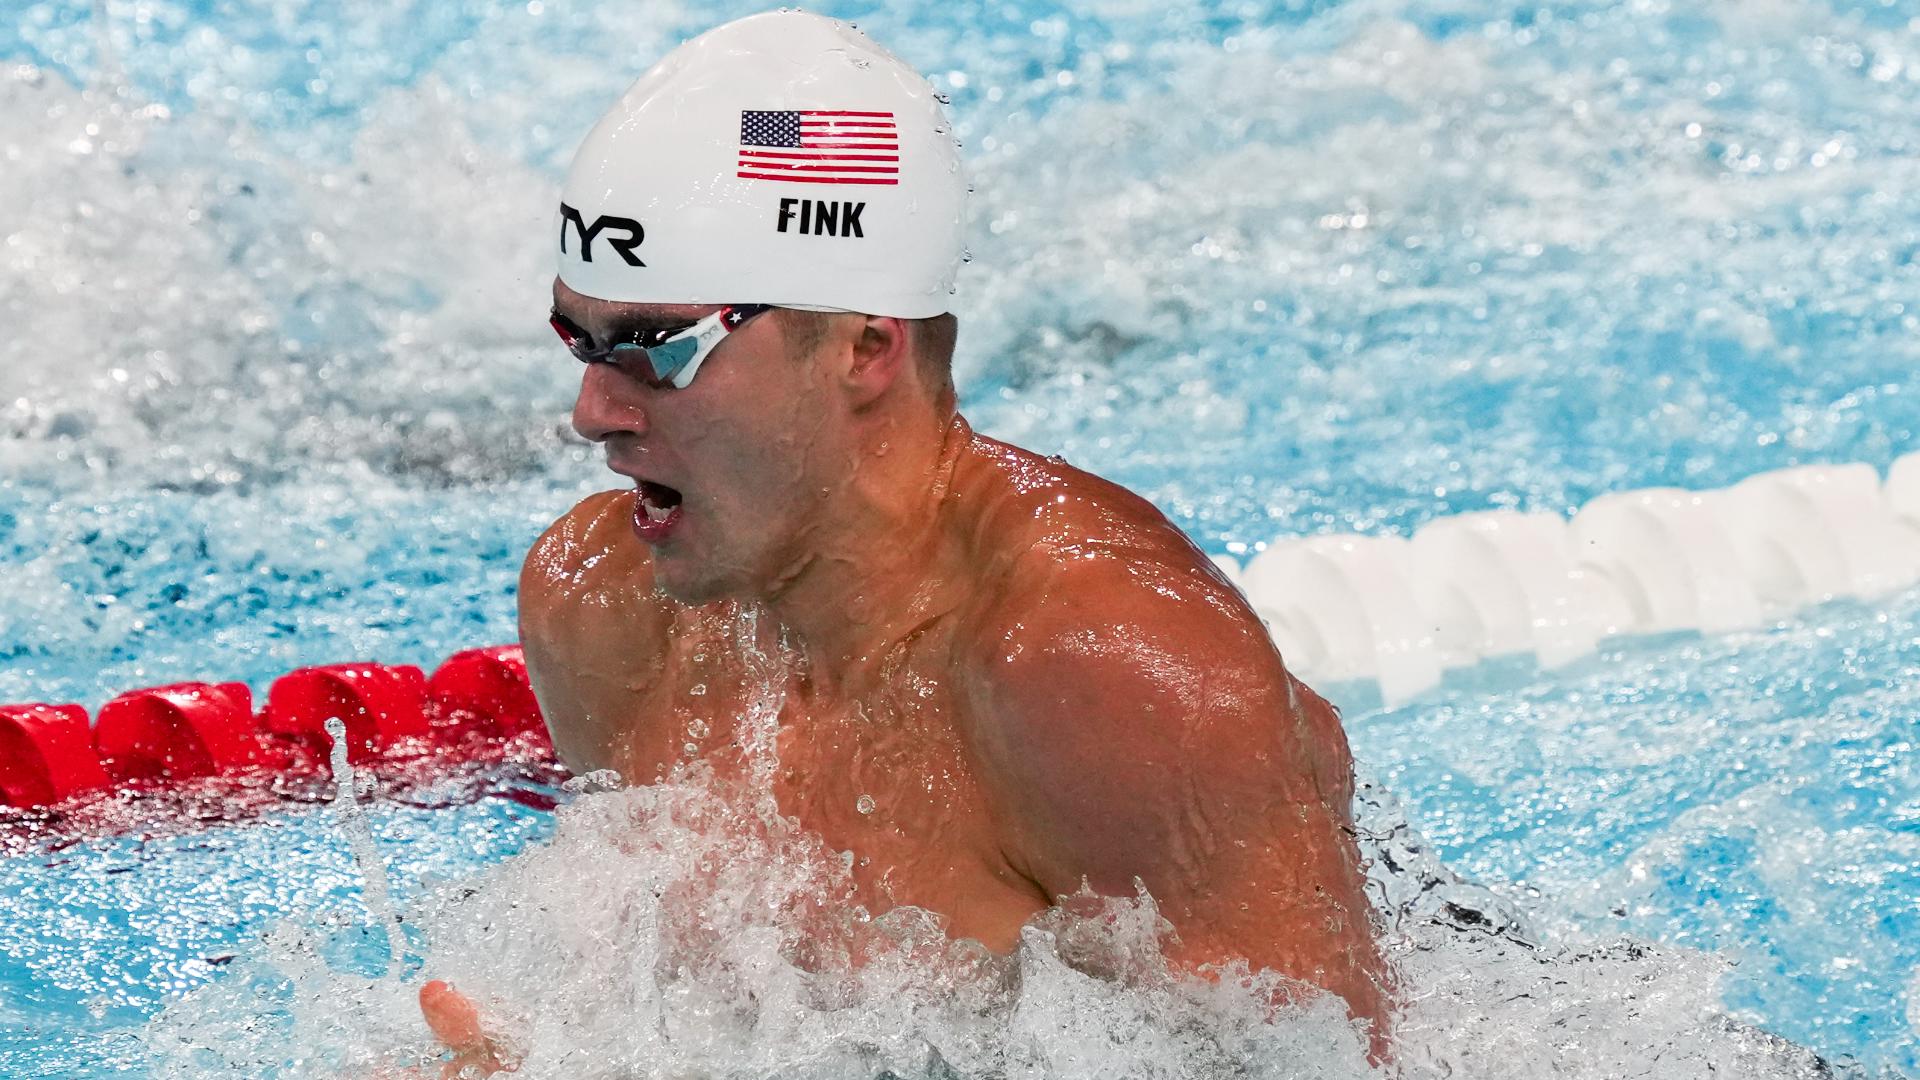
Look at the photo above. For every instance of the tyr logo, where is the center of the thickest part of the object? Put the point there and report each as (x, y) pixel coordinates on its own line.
(635, 234)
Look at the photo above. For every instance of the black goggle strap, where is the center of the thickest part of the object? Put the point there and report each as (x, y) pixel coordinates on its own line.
(733, 315)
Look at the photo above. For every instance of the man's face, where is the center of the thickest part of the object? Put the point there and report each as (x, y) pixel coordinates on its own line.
(751, 449)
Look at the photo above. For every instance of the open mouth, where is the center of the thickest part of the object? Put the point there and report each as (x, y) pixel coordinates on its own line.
(656, 510)
(657, 501)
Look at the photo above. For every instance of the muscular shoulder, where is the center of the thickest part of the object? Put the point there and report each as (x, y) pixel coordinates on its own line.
(591, 543)
(608, 653)
(590, 624)
(1045, 508)
(1068, 554)
(587, 583)
(1116, 675)
(1127, 653)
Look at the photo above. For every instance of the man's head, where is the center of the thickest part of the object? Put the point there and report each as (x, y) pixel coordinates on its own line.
(745, 473)
(784, 160)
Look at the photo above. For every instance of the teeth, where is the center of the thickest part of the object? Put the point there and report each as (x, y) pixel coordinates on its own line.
(655, 513)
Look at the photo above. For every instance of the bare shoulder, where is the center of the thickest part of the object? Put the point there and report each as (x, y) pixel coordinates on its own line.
(588, 544)
(1134, 723)
(590, 577)
(1115, 674)
(1066, 553)
(594, 630)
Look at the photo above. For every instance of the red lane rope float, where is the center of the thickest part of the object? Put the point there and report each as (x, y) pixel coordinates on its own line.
(381, 705)
(45, 754)
(488, 688)
(165, 734)
(174, 732)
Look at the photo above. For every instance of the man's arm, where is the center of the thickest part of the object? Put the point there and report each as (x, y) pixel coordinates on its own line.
(1142, 725)
(598, 641)
(596, 637)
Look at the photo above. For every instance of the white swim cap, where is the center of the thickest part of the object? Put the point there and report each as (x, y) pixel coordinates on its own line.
(783, 159)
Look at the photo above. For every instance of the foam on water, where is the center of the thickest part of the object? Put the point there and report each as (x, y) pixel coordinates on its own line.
(1754, 794)
(242, 317)
(111, 590)
(682, 930)
(687, 928)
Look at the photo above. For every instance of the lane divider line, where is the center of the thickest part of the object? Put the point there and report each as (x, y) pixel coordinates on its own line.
(1401, 611)
(166, 734)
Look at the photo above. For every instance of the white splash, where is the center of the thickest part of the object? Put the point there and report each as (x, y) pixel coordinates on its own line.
(682, 930)
(366, 854)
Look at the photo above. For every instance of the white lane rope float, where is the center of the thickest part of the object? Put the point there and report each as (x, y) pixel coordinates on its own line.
(1401, 611)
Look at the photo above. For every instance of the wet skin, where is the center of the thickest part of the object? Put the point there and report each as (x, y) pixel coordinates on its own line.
(1002, 676)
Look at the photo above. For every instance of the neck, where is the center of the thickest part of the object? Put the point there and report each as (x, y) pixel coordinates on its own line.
(882, 566)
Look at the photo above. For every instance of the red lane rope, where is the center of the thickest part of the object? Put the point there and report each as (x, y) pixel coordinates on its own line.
(165, 734)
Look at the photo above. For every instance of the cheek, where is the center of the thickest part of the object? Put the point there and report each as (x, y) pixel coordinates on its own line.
(760, 442)
(764, 462)
(782, 424)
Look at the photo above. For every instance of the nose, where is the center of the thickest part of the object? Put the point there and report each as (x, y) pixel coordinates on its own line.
(609, 404)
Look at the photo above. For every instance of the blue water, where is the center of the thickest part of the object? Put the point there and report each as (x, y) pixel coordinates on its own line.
(279, 391)
(102, 934)
(1757, 795)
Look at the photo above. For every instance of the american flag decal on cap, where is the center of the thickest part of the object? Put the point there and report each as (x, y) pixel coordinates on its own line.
(817, 146)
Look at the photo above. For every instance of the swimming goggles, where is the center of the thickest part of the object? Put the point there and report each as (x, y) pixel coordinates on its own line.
(671, 357)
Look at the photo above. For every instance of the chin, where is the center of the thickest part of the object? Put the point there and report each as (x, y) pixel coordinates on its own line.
(694, 584)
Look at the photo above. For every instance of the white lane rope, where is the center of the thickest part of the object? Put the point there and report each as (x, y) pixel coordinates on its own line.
(1400, 611)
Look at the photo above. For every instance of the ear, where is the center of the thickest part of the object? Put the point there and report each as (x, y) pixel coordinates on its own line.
(882, 354)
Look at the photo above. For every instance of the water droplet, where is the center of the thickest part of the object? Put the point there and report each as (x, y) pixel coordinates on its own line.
(596, 781)
(864, 804)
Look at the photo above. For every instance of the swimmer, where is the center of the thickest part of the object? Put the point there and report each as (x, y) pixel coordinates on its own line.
(1004, 677)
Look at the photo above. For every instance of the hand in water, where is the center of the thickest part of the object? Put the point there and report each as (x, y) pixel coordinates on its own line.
(455, 1021)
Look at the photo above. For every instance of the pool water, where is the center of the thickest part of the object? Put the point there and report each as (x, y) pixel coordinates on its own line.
(103, 933)
(279, 391)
